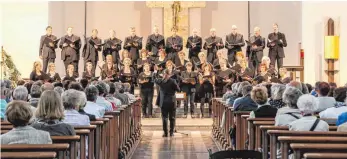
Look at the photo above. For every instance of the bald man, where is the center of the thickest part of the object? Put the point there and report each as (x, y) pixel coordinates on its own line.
(234, 43)
(194, 43)
(155, 42)
(212, 45)
(255, 48)
(112, 47)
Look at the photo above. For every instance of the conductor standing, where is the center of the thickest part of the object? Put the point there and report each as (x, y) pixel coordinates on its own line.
(167, 101)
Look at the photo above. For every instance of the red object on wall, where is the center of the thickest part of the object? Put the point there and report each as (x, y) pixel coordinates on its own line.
(302, 53)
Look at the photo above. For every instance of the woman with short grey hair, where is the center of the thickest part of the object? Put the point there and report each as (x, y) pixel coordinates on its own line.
(276, 95)
(91, 107)
(20, 93)
(59, 89)
(72, 101)
(290, 112)
(307, 105)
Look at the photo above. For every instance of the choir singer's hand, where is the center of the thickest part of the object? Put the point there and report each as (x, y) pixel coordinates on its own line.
(96, 46)
(113, 47)
(51, 44)
(254, 46)
(72, 45)
(65, 44)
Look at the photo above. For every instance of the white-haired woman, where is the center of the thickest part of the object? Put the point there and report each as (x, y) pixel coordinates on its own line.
(72, 101)
(307, 105)
(290, 112)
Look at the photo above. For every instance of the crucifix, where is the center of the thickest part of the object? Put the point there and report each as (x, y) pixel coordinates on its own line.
(176, 13)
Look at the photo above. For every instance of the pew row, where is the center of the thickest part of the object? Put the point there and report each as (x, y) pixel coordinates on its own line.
(299, 149)
(325, 155)
(22, 149)
(28, 155)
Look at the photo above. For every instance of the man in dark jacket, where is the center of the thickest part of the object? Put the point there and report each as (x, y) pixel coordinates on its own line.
(167, 102)
(276, 42)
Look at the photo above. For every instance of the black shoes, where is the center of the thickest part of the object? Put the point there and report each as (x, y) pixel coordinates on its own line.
(165, 135)
(171, 134)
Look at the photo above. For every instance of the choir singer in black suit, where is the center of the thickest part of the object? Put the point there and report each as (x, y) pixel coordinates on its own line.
(91, 49)
(112, 47)
(168, 88)
(133, 44)
(70, 45)
(233, 42)
(276, 42)
(212, 45)
(174, 44)
(254, 52)
(48, 44)
(194, 44)
(155, 42)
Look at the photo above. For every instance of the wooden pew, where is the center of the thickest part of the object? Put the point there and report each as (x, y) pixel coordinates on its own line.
(28, 155)
(97, 138)
(229, 120)
(240, 144)
(257, 124)
(275, 133)
(60, 148)
(83, 133)
(90, 136)
(252, 130)
(105, 138)
(245, 127)
(71, 140)
(5, 123)
(300, 149)
(286, 140)
(265, 137)
(114, 134)
(6, 127)
(325, 155)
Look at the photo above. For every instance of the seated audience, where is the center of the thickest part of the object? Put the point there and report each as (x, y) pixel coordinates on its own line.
(50, 113)
(91, 107)
(83, 104)
(21, 93)
(3, 102)
(290, 112)
(110, 96)
(35, 95)
(47, 86)
(84, 83)
(315, 90)
(127, 89)
(264, 110)
(342, 122)
(340, 105)
(296, 85)
(276, 95)
(76, 86)
(60, 90)
(234, 95)
(333, 86)
(323, 100)
(304, 88)
(309, 87)
(228, 92)
(239, 92)
(72, 101)
(101, 100)
(245, 103)
(307, 105)
(119, 93)
(58, 84)
(18, 113)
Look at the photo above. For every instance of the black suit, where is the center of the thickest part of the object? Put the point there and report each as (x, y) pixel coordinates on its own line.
(90, 53)
(255, 54)
(211, 46)
(154, 44)
(107, 50)
(47, 52)
(276, 52)
(170, 43)
(194, 51)
(167, 102)
(130, 45)
(233, 43)
(70, 55)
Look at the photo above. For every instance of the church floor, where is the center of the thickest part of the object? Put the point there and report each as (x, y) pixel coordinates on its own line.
(184, 145)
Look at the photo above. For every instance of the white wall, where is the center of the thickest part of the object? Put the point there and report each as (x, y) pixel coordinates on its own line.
(314, 15)
(288, 16)
(22, 25)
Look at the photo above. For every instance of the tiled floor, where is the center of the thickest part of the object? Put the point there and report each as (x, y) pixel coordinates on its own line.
(184, 145)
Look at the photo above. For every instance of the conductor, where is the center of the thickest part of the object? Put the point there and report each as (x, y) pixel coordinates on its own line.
(167, 102)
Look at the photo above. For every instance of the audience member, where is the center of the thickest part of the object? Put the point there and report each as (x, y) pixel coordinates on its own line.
(307, 105)
(72, 101)
(91, 107)
(228, 92)
(101, 86)
(50, 113)
(127, 89)
(3, 102)
(21, 93)
(118, 93)
(276, 95)
(315, 90)
(340, 105)
(18, 113)
(264, 110)
(304, 88)
(58, 84)
(234, 94)
(342, 122)
(47, 86)
(309, 87)
(323, 100)
(84, 83)
(76, 86)
(58, 89)
(110, 96)
(290, 112)
(296, 85)
(35, 95)
(245, 103)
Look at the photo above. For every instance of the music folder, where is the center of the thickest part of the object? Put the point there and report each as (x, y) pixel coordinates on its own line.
(256, 42)
(93, 43)
(49, 40)
(190, 80)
